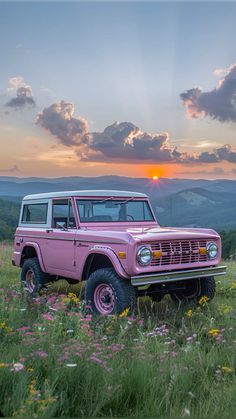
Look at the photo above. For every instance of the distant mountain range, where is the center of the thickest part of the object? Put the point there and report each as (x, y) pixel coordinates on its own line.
(179, 202)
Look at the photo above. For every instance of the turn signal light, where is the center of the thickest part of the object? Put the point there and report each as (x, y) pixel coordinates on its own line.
(122, 255)
(157, 254)
(202, 251)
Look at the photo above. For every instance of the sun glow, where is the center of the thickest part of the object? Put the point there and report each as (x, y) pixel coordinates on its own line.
(155, 177)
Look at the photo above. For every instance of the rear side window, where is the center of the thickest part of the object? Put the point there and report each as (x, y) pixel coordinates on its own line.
(62, 214)
(35, 213)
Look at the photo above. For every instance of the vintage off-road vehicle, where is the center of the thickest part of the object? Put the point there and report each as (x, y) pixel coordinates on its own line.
(112, 240)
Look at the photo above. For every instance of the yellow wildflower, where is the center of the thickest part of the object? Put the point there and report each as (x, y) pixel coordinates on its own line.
(5, 328)
(224, 309)
(124, 312)
(214, 332)
(2, 365)
(66, 300)
(189, 313)
(233, 285)
(203, 300)
(73, 297)
(227, 369)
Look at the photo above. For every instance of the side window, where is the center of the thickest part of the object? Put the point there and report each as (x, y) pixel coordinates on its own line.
(35, 213)
(62, 214)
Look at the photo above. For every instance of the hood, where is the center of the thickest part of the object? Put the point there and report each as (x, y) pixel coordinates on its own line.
(171, 233)
(146, 234)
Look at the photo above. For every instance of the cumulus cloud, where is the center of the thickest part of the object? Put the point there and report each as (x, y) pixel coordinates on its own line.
(23, 93)
(219, 103)
(224, 153)
(121, 141)
(59, 121)
(126, 141)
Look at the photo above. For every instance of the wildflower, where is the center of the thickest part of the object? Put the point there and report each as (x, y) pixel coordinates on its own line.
(224, 309)
(233, 285)
(73, 298)
(41, 354)
(189, 313)
(124, 312)
(186, 412)
(17, 367)
(47, 316)
(71, 365)
(2, 365)
(203, 300)
(66, 300)
(159, 331)
(219, 338)
(227, 369)
(214, 332)
(5, 328)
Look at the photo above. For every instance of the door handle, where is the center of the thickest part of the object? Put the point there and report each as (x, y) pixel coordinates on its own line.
(49, 230)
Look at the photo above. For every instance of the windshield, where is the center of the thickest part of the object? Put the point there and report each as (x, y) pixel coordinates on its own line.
(109, 210)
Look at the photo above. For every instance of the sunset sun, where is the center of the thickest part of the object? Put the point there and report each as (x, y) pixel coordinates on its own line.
(155, 177)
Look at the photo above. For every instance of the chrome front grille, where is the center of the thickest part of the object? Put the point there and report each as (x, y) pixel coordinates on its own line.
(178, 252)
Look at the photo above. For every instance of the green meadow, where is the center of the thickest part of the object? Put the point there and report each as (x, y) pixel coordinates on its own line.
(161, 361)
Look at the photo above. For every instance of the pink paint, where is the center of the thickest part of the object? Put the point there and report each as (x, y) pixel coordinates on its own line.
(65, 253)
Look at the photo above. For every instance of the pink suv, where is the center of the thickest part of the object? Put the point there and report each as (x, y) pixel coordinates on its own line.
(112, 240)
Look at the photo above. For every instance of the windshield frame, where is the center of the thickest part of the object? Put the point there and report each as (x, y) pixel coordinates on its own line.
(115, 223)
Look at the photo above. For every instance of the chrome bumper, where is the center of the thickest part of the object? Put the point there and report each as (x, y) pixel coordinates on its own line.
(164, 277)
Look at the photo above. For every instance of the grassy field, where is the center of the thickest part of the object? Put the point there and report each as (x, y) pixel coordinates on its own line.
(55, 360)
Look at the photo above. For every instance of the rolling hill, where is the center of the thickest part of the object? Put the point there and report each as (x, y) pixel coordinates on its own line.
(179, 202)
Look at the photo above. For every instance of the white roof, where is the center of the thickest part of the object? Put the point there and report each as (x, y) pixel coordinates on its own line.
(89, 193)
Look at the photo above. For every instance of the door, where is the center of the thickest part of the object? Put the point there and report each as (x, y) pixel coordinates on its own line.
(60, 248)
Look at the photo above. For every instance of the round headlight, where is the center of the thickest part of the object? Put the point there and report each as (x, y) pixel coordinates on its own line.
(212, 250)
(144, 255)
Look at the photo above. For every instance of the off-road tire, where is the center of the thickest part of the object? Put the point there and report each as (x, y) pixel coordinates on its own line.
(205, 288)
(124, 292)
(40, 278)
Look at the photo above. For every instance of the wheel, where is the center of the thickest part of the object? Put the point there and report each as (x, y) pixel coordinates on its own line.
(204, 287)
(107, 293)
(32, 276)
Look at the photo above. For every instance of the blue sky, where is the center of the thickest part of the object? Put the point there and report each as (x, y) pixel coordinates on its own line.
(118, 62)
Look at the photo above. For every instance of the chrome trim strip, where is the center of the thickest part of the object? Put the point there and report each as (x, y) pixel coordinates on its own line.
(67, 239)
(165, 277)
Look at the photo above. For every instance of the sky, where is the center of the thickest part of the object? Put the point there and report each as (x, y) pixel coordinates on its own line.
(136, 89)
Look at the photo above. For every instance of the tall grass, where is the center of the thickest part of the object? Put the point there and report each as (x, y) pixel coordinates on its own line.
(166, 361)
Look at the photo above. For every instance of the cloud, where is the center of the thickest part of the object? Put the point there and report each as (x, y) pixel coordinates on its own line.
(126, 141)
(13, 169)
(59, 121)
(23, 93)
(219, 103)
(121, 141)
(224, 153)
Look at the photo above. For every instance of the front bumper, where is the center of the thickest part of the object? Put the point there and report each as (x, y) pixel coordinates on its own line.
(164, 277)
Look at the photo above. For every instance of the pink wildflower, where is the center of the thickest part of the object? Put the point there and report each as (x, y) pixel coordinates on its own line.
(17, 367)
(47, 316)
(41, 354)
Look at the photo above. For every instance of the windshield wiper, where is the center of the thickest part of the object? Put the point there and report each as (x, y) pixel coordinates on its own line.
(123, 202)
(103, 200)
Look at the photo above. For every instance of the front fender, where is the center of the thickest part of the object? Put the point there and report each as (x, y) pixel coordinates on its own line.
(38, 252)
(109, 252)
